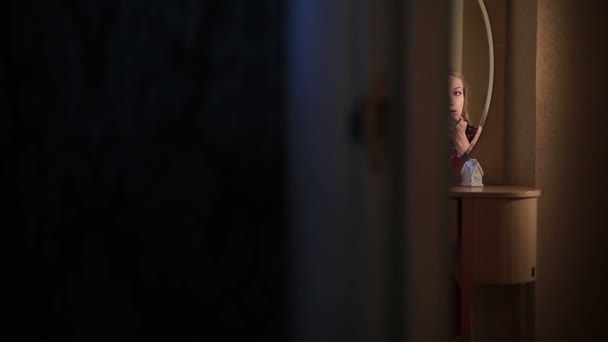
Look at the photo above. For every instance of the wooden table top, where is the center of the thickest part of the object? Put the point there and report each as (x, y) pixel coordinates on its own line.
(497, 191)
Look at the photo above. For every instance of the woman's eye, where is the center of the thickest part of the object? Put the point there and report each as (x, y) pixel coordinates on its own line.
(458, 93)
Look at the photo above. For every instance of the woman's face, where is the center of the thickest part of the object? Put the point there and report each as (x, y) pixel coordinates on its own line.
(456, 96)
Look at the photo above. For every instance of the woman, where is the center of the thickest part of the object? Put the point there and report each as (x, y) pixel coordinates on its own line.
(375, 121)
(461, 132)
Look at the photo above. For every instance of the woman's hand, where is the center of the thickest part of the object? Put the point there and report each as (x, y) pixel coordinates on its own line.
(458, 128)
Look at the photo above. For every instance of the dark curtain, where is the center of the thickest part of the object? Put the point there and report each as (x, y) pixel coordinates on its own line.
(142, 170)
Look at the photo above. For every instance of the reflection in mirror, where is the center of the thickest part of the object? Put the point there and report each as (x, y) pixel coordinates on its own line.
(461, 130)
(473, 57)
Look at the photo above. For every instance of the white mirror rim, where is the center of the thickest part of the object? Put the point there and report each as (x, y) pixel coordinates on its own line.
(488, 99)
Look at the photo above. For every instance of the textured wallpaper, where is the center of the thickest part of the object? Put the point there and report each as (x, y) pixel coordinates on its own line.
(570, 142)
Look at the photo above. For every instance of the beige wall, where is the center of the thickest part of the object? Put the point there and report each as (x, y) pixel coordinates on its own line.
(520, 93)
(571, 141)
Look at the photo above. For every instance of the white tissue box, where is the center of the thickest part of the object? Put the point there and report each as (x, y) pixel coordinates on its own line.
(471, 173)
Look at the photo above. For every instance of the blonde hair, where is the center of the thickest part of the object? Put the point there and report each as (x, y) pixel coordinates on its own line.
(465, 92)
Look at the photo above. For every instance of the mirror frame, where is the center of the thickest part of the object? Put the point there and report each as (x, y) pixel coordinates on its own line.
(486, 107)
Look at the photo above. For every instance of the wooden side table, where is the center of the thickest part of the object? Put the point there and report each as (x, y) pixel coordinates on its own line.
(497, 240)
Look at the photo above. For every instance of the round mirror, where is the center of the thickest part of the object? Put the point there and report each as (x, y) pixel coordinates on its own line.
(473, 58)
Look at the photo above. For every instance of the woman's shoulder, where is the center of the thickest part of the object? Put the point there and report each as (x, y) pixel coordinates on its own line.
(470, 132)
